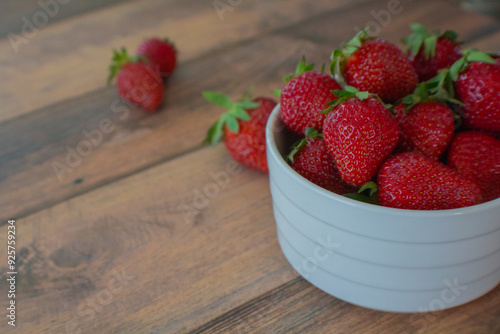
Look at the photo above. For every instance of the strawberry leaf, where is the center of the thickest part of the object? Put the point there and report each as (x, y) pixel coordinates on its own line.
(312, 133)
(421, 37)
(343, 93)
(362, 95)
(360, 198)
(370, 186)
(349, 92)
(469, 56)
(419, 28)
(327, 110)
(457, 68)
(218, 99)
(480, 56)
(351, 89)
(439, 88)
(277, 92)
(231, 123)
(247, 95)
(119, 59)
(358, 39)
(451, 35)
(247, 104)
(288, 77)
(298, 145)
(430, 46)
(236, 111)
(302, 67)
(339, 56)
(214, 132)
(367, 193)
(336, 54)
(415, 40)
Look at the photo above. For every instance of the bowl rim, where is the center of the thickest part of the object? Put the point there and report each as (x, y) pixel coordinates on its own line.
(273, 151)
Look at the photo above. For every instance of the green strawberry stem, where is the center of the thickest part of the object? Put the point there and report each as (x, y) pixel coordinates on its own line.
(119, 59)
(235, 112)
(422, 36)
(438, 89)
(441, 88)
(302, 67)
(367, 193)
(469, 56)
(247, 96)
(298, 145)
(350, 92)
(339, 56)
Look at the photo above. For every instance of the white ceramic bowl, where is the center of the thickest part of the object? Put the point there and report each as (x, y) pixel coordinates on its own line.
(377, 257)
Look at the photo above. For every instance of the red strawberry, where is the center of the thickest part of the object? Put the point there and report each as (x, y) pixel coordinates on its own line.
(478, 87)
(360, 132)
(477, 155)
(427, 127)
(376, 66)
(137, 81)
(430, 53)
(410, 180)
(304, 96)
(243, 126)
(311, 159)
(161, 53)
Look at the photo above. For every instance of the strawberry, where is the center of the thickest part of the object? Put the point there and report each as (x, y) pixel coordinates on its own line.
(477, 84)
(304, 96)
(375, 65)
(137, 81)
(410, 180)
(161, 53)
(311, 159)
(477, 155)
(425, 126)
(360, 132)
(429, 53)
(243, 126)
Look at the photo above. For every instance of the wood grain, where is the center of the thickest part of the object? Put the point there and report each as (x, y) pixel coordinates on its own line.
(16, 13)
(184, 250)
(298, 307)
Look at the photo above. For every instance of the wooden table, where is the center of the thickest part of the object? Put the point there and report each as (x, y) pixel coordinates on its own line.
(141, 233)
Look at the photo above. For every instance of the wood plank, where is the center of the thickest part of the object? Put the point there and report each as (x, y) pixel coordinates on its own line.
(70, 58)
(299, 307)
(148, 253)
(471, 27)
(55, 131)
(15, 14)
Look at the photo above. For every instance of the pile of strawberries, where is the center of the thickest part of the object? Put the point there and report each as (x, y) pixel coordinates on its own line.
(140, 78)
(416, 129)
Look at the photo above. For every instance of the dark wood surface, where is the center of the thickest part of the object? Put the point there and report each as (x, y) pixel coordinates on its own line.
(123, 242)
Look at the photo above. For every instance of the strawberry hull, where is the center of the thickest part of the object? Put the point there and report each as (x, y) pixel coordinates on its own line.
(376, 257)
